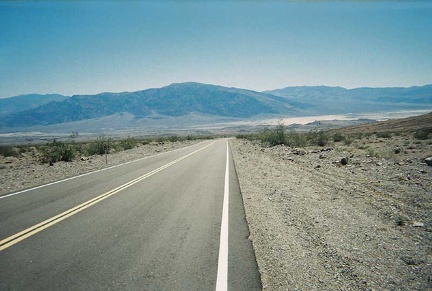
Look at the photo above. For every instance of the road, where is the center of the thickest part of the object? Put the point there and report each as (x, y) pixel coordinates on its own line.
(154, 224)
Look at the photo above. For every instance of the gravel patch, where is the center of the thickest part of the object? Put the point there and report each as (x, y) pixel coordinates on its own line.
(316, 224)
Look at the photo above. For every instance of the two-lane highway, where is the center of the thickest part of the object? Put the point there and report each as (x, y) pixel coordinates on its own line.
(153, 224)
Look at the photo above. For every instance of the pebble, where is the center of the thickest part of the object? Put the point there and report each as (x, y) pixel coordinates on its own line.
(418, 224)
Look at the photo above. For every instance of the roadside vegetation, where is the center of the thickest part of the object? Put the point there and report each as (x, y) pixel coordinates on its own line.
(69, 150)
(389, 145)
(280, 136)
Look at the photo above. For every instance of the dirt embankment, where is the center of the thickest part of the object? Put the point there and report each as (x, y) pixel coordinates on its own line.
(319, 225)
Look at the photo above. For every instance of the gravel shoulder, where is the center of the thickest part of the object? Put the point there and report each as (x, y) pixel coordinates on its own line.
(318, 225)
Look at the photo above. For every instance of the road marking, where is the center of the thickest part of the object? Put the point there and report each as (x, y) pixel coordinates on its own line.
(222, 274)
(22, 235)
(93, 172)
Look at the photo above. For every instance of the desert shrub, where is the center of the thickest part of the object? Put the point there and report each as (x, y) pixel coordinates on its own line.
(359, 145)
(161, 139)
(274, 137)
(360, 135)
(101, 146)
(173, 138)
(249, 137)
(383, 134)
(278, 136)
(318, 138)
(79, 148)
(400, 220)
(58, 151)
(8, 151)
(372, 152)
(128, 143)
(338, 137)
(422, 133)
(380, 153)
(386, 153)
(348, 141)
(295, 139)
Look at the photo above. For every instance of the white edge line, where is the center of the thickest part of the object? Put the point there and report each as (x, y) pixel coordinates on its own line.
(93, 172)
(222, 274)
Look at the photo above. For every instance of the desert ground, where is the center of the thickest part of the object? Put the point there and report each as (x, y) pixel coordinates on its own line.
(355, 214)
(352, 215)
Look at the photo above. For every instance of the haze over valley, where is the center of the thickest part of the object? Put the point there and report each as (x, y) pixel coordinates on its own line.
(191, 107)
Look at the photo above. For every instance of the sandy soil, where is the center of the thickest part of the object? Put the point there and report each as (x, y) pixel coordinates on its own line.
(318, 225)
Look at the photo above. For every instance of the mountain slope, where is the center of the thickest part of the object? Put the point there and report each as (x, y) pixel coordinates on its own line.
(26, 102)
(174, 100)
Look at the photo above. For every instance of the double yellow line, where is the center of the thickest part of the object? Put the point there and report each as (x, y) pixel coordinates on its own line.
(22, 235)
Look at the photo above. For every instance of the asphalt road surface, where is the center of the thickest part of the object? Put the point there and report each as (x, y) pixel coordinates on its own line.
(153, 224)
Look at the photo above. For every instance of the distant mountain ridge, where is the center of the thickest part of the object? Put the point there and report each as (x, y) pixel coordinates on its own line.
(173, 100)
(341, 100)
(413, 94)
(196, 99)
(26, 102)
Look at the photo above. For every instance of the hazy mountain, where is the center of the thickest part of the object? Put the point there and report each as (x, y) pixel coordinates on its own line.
(331, 100)
(173, 100)
(178, 104)
(26, 102)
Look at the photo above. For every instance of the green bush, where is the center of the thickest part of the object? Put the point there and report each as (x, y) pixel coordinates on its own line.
(400, 220)
(278, 136)
(422, 134)
(8, 151)
(295, 139)
(348, 141)
(318, 138)
(173, 138)
(372, 152)
(338, 137)
(101, 146)
(274, 137)
(128, 143)
(246, 136)
(58, 151)
(383, 134)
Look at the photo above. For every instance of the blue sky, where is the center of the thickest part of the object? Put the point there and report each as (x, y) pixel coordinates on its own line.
(80, 47)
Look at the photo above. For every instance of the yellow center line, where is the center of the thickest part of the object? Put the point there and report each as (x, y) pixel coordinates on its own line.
(22, 235)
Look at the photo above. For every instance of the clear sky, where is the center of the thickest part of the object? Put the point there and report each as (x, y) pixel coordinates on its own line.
(80, 47)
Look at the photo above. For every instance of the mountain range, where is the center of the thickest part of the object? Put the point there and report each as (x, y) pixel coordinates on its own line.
(209, 102)
(340, 100)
